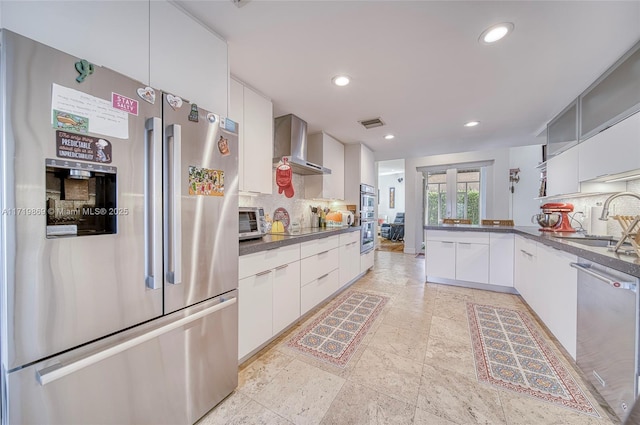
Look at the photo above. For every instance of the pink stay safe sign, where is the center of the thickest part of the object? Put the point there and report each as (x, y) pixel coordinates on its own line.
(124, 103)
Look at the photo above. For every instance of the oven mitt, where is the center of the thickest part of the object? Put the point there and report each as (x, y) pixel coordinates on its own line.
(284, 178)
(288, 191)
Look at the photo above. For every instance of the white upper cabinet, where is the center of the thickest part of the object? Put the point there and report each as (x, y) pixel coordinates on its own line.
(254, 113)
(562, 173)
(614, 150)
(329, 152)
(186, 59)
(236, 113)
(359, 168)
(110, 34)
(258, 142)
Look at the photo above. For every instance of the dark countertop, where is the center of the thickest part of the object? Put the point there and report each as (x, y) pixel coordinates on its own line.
(272, 241)
(625, 263)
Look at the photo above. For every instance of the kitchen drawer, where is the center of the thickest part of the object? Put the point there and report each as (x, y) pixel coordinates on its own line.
(458, 236)
(265, 260)
(315, 246)
(318, 290)
(472, 237)
(347, 238)
(318, 265)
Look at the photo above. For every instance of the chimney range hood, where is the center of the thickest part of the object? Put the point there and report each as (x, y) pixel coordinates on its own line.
(291, 141)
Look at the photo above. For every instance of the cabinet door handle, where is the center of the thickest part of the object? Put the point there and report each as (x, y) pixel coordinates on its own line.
(526, 253)
(447, 242)
(464, 243)
(323, 276)
(263, 273)
(284, 266)
(322, 253)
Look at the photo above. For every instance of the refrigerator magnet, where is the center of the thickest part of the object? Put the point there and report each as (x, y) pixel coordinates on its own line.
(124, 103)
(174, 101)
(84, 68)
(223, 146)
(70, 122)
(147, 94)
(193, 115)
(206, 182)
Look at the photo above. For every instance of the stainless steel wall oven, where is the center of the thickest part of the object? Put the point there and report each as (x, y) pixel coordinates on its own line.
(367, 218)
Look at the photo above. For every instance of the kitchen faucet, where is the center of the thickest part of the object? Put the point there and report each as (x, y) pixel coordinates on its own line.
(605, 208)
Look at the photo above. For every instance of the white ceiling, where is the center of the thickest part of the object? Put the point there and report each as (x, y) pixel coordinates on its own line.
(419, 66)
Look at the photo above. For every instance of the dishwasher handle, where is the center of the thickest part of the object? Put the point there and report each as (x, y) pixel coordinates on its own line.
(631, 286)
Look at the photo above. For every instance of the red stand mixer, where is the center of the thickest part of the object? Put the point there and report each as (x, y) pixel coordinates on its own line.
(555, 217)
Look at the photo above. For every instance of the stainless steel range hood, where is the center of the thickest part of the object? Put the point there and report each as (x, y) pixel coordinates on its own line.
(290, 141)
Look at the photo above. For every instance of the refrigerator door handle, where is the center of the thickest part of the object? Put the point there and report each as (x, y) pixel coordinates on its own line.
(57, 371)
(153, 203)
(174, 208)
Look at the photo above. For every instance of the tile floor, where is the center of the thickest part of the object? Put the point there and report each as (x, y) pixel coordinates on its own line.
(415, 366)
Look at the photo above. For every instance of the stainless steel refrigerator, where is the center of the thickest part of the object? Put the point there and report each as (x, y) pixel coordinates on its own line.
(119, 247)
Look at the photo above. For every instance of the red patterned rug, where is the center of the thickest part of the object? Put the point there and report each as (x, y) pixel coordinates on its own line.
(336, 334)
(510, 354)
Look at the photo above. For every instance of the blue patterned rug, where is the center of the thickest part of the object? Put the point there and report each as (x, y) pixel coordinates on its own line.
(336, 334)
(509, 353)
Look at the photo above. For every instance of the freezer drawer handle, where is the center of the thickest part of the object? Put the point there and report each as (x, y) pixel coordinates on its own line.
(153, 203)
(173, 221)
(50, 374)
(614, 283)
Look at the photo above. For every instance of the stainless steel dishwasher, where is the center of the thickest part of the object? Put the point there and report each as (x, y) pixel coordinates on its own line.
(607, 346)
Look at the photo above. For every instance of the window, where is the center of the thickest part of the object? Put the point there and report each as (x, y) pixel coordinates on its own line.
(453, 193)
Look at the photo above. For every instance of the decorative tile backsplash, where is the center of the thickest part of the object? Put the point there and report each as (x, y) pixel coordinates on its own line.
(625, 205)
(298, 207)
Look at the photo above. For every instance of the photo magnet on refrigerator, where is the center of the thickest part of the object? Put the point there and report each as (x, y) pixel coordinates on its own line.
(147, 94)
(174, 101)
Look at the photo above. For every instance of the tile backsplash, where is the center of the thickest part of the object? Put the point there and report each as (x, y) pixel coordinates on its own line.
(297, 206)
(625, 205)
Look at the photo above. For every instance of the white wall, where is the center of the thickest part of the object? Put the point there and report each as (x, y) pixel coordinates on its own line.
(497, 194)
(384, 183)
(522, 202)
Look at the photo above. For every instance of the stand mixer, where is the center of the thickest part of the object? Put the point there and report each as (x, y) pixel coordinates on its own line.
(555, 217)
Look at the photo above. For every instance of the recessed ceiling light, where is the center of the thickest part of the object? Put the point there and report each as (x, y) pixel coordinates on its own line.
(340, 80)
(472, 123)
(496, 32)
(389, 136)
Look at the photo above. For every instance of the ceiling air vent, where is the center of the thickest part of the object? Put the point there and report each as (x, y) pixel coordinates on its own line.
(372, 123)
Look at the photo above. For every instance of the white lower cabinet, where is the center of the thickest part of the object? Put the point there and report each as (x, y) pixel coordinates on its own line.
(557, 284)
(366, 261)
(278, 286)
(255, 314)
(501, 259)
(286, 296)
(458, 255)
(349, 257)
(441, 259)
(319, 270)
(314, 292)
(525, 269)
(472, 262)
(269, 295)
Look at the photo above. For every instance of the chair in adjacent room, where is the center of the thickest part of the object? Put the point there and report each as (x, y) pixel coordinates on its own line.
(394, 231)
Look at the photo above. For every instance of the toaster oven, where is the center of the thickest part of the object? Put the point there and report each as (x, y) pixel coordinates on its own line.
(251, 221)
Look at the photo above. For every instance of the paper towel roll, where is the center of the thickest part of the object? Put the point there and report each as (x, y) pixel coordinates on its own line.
(598, 227)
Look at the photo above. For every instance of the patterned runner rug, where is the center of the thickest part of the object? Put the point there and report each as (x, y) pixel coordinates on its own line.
(336, 334)
(511, 354)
